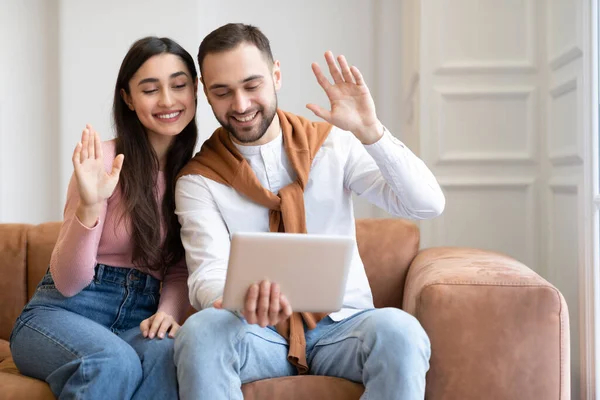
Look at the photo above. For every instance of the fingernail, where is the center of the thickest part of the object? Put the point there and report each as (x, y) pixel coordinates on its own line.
(161, 335)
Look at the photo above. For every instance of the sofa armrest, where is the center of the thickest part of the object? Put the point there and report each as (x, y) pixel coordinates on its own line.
(498, 330)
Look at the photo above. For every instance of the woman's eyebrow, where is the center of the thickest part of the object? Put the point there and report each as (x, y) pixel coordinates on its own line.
(154, 80)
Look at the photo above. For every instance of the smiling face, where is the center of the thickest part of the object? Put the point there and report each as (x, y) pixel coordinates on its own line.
(162, 93)
(241, 85)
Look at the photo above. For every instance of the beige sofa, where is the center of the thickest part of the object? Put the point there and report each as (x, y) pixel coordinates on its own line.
(497, 329)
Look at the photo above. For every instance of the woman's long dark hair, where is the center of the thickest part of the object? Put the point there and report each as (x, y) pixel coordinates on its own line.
(140, 169)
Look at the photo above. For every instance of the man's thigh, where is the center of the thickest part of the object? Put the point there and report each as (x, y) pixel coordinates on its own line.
(341, 348)
(219, 339)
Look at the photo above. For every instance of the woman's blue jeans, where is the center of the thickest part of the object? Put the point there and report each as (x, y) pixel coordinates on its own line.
(89, 346)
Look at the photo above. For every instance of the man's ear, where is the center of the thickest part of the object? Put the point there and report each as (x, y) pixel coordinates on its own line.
(204, 87)
(276, 75)
(127, 99)
(205, 90)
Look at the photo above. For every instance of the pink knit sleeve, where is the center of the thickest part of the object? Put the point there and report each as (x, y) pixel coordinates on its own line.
(76, 251)
(174, 298)
(74, 255)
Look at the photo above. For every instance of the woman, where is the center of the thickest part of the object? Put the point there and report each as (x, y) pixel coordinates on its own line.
(98, 324)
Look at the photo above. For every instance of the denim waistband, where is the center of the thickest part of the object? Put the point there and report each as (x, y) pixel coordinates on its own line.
(129, 277)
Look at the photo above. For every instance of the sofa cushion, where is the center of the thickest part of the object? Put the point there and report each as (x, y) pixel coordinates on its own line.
(290, 388)
(6, 363)
(16, 386)
(305, 387)
(19, 387)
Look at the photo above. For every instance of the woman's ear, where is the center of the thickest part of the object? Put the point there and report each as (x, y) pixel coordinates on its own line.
(127, 99)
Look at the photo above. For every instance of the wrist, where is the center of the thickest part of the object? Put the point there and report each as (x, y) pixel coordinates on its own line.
(370, 134)
(88, 214)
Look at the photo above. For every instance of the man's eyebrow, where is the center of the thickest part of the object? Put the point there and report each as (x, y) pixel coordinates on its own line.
(154, 80)
(251, 78)
(248, 79)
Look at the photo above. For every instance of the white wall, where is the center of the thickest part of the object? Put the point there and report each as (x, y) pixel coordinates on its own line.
(496, 112)
(479, 123)
(71, 51)
(29, 86)
(407, 106)
(94, 38)
(300, 32)
(502, 127)
(562, 229)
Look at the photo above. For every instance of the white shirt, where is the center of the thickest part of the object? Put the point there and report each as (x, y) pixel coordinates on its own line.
(386, 173)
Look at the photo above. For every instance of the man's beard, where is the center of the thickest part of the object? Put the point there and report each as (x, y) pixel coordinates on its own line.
(254, 133)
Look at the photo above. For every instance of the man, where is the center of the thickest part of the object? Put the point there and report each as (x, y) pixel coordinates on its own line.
(269, 170)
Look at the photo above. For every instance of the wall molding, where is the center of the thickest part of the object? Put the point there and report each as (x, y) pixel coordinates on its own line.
(563, 185)
(526, 185)
(588, 271)
(570, 154)
(526, 65)
(558, 58)
(569, 54)
(524, 156)
(489, 183)
(482, 67)
(572, 187)
(557, 185)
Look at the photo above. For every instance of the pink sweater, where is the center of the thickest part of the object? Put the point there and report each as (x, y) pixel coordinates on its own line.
(79, 248)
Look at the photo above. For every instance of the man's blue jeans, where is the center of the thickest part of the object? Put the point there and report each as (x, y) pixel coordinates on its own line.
(89, 346)
(385, 349)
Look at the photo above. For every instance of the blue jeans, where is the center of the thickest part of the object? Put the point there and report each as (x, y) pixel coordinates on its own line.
(385, 349)
(89, 346)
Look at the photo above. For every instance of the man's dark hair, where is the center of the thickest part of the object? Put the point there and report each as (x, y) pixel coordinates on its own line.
(229, 36)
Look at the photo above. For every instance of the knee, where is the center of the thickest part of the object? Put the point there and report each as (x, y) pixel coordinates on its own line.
(209, 326)
(159, 350)
(122, 358)
(399, 330)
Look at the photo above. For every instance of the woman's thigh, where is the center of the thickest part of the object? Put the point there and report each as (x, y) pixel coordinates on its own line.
(48, 340)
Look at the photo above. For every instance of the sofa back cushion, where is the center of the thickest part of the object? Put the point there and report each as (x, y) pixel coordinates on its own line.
(40, 243)
(13, 274)
(387, 247)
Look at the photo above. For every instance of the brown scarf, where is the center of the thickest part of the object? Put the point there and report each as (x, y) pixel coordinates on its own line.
(220, 161)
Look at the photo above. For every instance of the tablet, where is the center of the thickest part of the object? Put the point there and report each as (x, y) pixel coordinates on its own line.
(311, 269)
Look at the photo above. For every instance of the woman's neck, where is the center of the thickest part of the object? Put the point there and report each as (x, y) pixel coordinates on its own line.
(161, 144)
